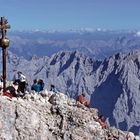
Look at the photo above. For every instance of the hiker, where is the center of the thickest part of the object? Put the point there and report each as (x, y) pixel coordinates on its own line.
(11, 91)
(101, 122)
(22, 82)
(38, 85)
(82, 100)
(53, 89)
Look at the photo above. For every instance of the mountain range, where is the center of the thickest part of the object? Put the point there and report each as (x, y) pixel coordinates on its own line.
(99, 43)
(111, 85)
(105, 65)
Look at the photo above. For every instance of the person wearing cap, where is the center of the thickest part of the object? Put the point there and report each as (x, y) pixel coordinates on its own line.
(11, 91)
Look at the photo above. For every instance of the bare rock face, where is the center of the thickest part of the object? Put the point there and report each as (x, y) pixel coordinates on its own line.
(112, 85)
(50, 116)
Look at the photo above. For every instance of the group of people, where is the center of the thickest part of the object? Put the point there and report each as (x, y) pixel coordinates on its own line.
(19, 86)
(17, 89)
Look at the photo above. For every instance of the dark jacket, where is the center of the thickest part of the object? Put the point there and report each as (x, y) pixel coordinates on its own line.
(12, 91)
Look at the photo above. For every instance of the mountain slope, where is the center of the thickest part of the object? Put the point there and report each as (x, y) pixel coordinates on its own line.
(118, 95)
(111, 85)
(50, 116)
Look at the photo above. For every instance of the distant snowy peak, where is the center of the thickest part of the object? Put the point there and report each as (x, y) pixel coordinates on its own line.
(80, 30)
(98, 43)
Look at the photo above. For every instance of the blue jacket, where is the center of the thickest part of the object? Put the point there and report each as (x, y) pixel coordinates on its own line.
(36, 87)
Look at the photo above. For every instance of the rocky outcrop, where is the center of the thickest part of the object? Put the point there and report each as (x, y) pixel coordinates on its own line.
(50, 116)
(111, 85)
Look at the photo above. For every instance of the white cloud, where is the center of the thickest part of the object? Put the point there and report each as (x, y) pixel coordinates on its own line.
(138, 33)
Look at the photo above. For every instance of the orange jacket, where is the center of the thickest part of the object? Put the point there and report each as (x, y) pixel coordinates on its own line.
(82, 100)
(103, 124)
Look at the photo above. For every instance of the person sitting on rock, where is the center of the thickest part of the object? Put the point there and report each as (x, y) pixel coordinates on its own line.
(82, 100)
(36, 86)
(53, 89)
(11, 91)
(101, 122)
(21, 78)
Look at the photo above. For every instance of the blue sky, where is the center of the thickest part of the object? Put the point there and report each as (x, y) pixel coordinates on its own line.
(71, 14)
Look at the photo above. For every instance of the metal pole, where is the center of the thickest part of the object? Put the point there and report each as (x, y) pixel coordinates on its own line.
(4, 57)
(4, 67)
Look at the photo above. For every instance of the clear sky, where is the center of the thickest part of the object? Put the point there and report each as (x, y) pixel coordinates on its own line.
(71, 14)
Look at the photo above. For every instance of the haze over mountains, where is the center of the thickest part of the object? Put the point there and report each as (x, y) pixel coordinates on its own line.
(98, 43)
(112, 85)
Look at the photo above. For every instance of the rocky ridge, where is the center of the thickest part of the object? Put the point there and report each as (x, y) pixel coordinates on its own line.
(50, 116)
(111, 85)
